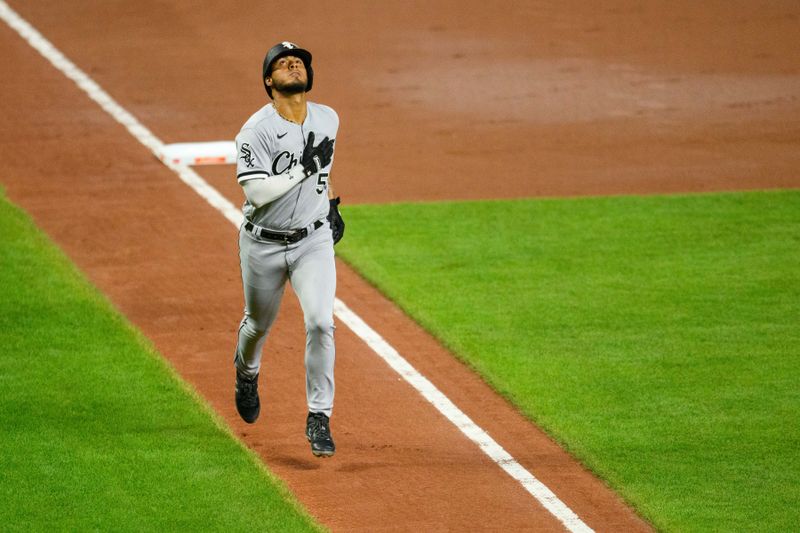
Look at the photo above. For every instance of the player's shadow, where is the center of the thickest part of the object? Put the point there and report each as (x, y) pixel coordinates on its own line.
(362, 466)
(314, 463)
(296, 462)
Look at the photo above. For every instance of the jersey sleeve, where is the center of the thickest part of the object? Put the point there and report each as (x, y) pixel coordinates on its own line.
(253, 160)
(335, 122)
(334, 118)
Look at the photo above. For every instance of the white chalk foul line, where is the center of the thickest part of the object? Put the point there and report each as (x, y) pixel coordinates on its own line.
(383, 349)
(455, 415)
(104, 100)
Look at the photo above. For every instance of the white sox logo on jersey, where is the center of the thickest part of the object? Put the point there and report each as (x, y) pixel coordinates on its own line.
(247, 155)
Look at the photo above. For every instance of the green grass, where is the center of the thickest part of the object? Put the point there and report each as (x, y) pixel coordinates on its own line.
(96, 432)
(656, 338)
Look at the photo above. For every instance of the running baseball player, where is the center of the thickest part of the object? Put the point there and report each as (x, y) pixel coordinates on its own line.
(291, 223)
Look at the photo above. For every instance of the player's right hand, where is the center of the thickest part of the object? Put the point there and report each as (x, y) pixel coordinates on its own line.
(315, 158)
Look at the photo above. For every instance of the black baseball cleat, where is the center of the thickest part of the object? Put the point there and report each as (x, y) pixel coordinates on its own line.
(247, 402)
(318, 433)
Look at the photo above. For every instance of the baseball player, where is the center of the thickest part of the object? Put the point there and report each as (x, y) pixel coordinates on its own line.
(291, 223)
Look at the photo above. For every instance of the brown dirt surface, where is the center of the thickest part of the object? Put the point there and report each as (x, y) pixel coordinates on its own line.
(438, 100)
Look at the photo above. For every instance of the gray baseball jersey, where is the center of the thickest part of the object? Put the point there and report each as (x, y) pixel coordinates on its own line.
(269, 145)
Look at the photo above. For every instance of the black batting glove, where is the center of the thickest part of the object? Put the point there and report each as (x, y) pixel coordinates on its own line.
(315, 158)
(335, 220)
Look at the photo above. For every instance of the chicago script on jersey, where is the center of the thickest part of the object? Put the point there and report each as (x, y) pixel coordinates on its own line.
(283, 162)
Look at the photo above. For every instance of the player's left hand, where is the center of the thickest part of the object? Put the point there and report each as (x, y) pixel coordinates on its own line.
(335, 220)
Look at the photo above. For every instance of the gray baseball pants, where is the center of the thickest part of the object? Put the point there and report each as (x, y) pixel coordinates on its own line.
(309, 266)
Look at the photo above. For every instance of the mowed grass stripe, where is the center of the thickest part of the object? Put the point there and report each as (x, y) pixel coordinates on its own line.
(656, 338)
(96, 431)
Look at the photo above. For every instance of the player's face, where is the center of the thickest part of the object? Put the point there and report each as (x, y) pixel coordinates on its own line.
(289, 75)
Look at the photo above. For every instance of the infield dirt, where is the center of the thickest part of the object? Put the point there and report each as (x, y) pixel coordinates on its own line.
(448, 100)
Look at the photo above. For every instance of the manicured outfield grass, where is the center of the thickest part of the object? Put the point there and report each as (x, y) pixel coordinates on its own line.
(656, 338)
(96, 432)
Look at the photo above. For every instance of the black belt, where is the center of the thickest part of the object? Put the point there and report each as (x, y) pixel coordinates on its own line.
(286, 238)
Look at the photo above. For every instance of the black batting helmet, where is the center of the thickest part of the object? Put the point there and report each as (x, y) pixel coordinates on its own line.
(284, 49)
